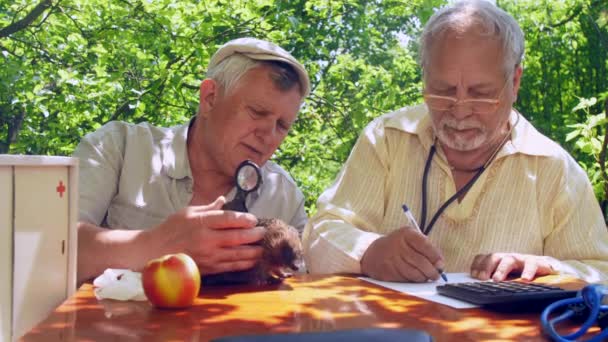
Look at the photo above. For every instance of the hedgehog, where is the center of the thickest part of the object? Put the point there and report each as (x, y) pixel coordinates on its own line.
(282, 253)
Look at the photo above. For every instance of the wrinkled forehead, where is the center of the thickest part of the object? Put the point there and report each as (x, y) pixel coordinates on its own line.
(459, 55)
(461, 27)
(467, 33)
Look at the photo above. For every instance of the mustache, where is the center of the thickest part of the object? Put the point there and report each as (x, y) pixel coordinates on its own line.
(460, 124)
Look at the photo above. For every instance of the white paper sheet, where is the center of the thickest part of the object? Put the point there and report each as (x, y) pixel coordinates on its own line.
(428, 291)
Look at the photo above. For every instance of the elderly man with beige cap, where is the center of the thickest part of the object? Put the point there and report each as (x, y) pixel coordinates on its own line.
(147, 191)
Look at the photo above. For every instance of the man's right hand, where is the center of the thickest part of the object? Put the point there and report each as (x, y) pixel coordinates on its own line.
(216, 239)
(404, 255)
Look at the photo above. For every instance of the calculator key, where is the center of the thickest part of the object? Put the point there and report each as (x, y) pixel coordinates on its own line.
(504, 293)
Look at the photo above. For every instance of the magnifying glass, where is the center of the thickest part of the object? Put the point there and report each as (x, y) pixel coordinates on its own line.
(247, 179)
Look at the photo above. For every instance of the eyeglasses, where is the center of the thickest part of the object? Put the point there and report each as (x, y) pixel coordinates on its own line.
(479, 106)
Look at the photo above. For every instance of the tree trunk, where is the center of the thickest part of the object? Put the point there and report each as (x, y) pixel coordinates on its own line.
(14, 126)
(27, 20)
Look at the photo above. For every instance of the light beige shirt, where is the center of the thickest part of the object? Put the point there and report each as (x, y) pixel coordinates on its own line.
(533, 199)
(135, 176)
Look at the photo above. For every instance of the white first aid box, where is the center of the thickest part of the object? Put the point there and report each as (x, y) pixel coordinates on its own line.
(38, 239)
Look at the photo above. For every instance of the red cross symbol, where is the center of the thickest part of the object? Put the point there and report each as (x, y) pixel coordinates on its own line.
(60, 188)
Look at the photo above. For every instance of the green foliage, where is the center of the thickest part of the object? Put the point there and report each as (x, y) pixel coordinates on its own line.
(78, 64)
(566, 58)
(81, 64)
(590, 140)
(565, 80)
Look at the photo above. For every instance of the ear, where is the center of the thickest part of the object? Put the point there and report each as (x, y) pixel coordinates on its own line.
(517, 81)
(209, 94)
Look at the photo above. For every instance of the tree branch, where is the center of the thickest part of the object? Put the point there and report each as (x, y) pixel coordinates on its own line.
(190, 86)
(601, 37)
(45, 54)
(83, 33)
(573, 15)
(323, 72)
(323, 101)
(177, 64)
(27, 20)
(124, 107)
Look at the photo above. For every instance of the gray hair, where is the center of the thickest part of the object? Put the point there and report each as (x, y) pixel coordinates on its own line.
(229, 71)
(479, 14)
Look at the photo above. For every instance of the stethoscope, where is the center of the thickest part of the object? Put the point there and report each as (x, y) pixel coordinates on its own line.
(248, 179)
(427, 167)
(589, 298)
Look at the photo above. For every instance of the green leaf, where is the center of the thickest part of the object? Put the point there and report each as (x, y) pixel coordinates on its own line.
(584, 103)
(572, 135)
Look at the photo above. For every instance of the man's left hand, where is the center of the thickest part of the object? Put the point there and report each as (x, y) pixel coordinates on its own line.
(499, 265)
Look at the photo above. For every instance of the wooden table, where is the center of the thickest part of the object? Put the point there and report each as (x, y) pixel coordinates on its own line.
(303, 303)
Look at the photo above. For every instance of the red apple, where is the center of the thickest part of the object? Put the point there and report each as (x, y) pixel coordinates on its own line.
(171, 281)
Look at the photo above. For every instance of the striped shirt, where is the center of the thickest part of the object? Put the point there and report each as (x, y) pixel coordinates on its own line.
(533, 199)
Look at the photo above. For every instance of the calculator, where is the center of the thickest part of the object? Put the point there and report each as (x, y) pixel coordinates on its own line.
(510, 295)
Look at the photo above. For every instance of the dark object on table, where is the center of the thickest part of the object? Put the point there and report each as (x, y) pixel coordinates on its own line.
(355, 335)
(511, 296)
(587, 308)
(282, 254)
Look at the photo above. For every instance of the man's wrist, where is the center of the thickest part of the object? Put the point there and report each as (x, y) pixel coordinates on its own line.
(149, 245)
(366, 261)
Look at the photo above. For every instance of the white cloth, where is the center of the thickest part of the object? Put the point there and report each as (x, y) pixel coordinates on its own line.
(119, 284)
(135, 176)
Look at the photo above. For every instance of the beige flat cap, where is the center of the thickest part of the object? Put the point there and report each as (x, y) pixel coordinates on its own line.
(261, 50)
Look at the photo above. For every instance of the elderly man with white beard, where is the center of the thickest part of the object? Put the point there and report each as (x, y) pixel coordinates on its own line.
(492, 195)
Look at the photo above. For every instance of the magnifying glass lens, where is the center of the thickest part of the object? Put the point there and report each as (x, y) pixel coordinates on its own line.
(247, 178)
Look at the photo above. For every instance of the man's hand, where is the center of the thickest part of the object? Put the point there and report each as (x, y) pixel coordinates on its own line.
(499, 265)
(216, 239)
(403, 255)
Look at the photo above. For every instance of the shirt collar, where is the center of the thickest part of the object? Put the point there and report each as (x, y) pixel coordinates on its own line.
(177, 165)
(175, 152)
(525, 138)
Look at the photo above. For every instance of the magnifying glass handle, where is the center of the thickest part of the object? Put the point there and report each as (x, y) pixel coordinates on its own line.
(237, 204)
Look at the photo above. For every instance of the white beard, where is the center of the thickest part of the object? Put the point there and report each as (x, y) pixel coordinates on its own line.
(450, 138)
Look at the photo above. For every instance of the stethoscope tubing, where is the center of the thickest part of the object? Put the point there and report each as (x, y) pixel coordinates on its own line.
(592, 299)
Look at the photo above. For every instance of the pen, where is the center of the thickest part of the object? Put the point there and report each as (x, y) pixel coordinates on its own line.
(410, 217)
